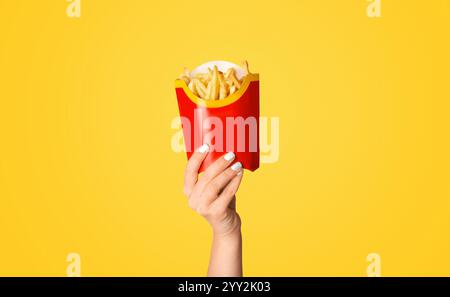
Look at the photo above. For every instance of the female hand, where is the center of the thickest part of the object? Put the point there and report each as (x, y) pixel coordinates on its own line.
(213, 195)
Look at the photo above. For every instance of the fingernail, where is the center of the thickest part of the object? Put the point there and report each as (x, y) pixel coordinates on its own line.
(203, 149)
(236, 166)
(229, 156)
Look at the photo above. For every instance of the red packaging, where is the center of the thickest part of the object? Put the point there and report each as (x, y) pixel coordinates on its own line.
(226, 125)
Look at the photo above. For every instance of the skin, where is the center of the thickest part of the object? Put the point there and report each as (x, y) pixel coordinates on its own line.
(213, 197)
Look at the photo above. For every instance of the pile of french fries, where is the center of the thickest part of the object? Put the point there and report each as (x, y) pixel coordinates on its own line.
(214, 85)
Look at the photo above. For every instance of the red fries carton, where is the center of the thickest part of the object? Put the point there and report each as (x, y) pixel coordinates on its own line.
(226, 125)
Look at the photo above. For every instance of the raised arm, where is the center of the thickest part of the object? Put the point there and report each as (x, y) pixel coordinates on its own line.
(213, 197)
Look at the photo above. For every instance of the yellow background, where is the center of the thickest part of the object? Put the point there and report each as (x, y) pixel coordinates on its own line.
(86, 164)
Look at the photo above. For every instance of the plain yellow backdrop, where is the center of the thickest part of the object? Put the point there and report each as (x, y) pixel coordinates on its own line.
(86, 164)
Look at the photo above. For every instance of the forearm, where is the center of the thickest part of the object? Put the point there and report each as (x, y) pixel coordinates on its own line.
(214, 198)
(226, 255)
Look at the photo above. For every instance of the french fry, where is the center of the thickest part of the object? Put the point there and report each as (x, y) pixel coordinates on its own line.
(203, 77)
(228, 72)
(208, 91)
(224, 89)
(210, 73)
(245, 68)
(232, 90)
(200, 87)
(186, 76)
(234, 80)
(215, 85)
(191, 86)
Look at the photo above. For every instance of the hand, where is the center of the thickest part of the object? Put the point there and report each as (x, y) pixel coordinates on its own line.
(213, 195)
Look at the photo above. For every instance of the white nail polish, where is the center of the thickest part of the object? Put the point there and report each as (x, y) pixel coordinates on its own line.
(229, 156)
(203, 149)
(236, 166)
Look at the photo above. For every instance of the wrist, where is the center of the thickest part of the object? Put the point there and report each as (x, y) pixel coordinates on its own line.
(234, 233)
(231, 229)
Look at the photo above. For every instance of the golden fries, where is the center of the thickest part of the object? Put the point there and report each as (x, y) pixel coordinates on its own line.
(200, 87)
(245, 67)
(192, 87)
(214, 85)
(224, 88)
(185, 75)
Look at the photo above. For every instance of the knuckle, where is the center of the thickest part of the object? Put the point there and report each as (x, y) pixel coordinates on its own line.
(210, 191)
(229, 173)
(227, 192)
(217, 213)
(195, 159)
(232, 192)
(208, 175)
(202, 210)
(213, 187)
(221, 162)
(192, 204)
(215, 168)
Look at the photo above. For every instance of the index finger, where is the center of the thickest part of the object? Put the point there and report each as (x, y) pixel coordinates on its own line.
(192, 167)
